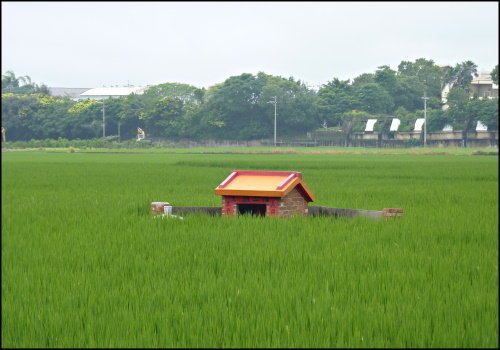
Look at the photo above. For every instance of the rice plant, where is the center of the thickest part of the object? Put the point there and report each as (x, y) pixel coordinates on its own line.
(85, 265)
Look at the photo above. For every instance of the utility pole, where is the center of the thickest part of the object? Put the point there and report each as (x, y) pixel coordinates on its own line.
(103, 121)
(4, 132)
(425, 98)
(274, 102)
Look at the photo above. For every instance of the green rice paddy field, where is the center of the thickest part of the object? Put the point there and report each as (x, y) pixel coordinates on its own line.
(85, 265)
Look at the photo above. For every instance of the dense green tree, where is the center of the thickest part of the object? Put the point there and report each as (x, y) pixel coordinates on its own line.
(35, 116)
(184, 92)
(335, 98)
(233, 110)
(163, 119)
(43, 89)
(131, 115)
(240, 109)
(84, 120)
(373, 98)
(48, 118)
(431, 76)
(363, 79)
(386, 78)
(296, 104)
(17, 115)
(188, 125)
(437, 119)
(408, 93)
(494, 74)
(406, 118)
(485, 111)
(458, 99)
(113, 113)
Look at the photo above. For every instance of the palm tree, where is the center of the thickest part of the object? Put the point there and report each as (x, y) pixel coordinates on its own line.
(26, 80)
(9, 80)
(461, 75)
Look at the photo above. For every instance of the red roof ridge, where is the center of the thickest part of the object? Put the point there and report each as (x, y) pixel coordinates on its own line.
(267, 172)
(286, 181)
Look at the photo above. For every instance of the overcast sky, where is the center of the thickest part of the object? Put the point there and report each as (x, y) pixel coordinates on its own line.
(92, 44)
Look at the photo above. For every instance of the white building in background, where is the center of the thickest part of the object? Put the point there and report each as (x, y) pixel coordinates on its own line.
(444, 96)
(77, 94)
(106, 92)
(481, 87)
(72, 93)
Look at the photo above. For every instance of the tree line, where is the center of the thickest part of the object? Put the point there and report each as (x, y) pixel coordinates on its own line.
(239, 108)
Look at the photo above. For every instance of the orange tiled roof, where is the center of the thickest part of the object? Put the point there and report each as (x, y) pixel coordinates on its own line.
(263, 184)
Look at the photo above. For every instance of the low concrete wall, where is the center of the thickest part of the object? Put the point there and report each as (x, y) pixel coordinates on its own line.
(411, 138)
(445, 135)
(312, 211)
(214, 211)
(344, 212)
(408, 135)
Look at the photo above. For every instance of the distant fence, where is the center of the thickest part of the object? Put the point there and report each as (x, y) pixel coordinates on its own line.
(368, 139)
(401, 139)
(314, 139)
(396, 139)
